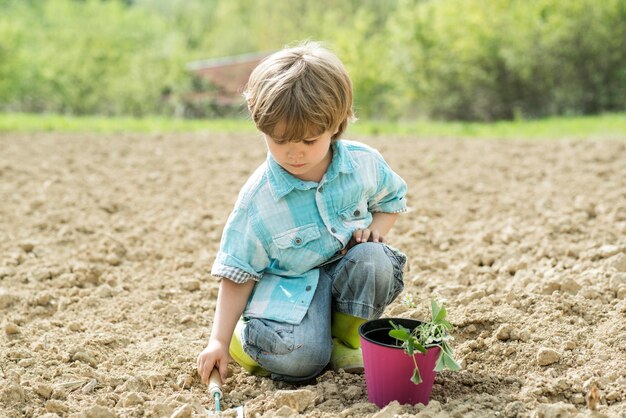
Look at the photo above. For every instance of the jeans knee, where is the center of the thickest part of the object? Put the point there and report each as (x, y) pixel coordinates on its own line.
(370, 260)
(268, 336)
(283, 351)
(373, 252)
(368, 279)
(302, 362)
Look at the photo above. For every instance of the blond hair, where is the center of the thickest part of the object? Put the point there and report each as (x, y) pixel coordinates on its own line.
(300, 92)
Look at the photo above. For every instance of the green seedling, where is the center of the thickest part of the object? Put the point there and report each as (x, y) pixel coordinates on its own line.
(434, 333)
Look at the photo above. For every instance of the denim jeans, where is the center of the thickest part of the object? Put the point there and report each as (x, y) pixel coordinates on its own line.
(362, 284)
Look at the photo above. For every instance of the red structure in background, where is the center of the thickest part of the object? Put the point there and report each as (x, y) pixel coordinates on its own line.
(225, 77)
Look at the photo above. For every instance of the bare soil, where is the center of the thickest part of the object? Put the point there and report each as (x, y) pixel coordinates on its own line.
(106, 243)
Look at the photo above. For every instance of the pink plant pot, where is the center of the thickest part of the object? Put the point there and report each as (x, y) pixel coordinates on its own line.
(388, 368)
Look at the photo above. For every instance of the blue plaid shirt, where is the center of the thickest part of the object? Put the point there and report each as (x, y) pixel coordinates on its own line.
(283, 228)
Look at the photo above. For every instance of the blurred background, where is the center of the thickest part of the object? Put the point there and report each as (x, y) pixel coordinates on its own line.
(468, 60)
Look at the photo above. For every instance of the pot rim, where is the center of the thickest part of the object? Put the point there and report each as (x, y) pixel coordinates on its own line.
(385, 325)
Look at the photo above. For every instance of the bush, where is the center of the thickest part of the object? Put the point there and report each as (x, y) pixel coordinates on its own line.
(516, 58)
(88, 57)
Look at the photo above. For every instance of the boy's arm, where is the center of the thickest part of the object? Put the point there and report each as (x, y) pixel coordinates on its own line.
(376, 231)
(231, 301)
(382, 223)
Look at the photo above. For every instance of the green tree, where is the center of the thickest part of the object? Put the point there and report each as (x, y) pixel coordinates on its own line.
(93, 57)
(509, 58)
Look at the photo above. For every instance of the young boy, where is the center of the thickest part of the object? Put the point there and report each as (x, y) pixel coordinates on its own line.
(302, 259)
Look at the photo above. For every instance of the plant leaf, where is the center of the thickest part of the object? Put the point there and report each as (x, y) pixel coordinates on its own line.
(399, 334)
(434, 308)
(409, 346)
(419, 347)
(440, 365)
(441, 314)
(446, 347)
(451, 363)
(446, 362)
(416, 378)
(446, 324)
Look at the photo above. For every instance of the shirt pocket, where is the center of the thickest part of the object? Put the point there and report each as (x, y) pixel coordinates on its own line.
(355, 215)
(298, 248)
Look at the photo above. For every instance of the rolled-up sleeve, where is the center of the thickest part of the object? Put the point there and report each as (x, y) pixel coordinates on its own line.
(241, 256)
(390, 196)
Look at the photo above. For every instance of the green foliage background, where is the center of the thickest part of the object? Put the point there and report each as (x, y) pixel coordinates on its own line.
(444, 59)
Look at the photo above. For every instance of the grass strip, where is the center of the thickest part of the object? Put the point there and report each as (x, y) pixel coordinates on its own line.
(612, 125)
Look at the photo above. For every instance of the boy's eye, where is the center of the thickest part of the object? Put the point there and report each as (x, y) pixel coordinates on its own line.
(310, 142)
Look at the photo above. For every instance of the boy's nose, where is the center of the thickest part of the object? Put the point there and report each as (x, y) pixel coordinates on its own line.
(295, 154)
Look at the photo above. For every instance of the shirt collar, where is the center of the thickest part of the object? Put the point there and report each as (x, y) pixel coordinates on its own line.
(342, 162)
(281, 182)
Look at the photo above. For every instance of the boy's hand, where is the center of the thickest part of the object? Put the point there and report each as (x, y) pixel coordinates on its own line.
(363, 235)
(381, 224)
(214, 355)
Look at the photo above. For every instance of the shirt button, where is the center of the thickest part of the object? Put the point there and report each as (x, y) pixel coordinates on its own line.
(333, 230)
(298, 241)
(320, 189)
(357, 212)
(308, 288)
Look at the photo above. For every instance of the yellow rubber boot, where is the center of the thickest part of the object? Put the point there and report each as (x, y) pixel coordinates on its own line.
(346, 358)
(346, 328)
(244, 360)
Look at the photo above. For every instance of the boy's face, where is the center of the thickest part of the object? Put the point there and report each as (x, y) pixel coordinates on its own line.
(307, 159)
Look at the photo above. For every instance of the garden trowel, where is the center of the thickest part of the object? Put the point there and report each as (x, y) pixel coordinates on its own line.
(215, 389)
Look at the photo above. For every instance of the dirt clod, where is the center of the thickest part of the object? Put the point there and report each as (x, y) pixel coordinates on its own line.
(547, 356)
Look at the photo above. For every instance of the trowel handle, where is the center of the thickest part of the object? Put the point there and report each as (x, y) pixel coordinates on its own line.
(215, 383)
